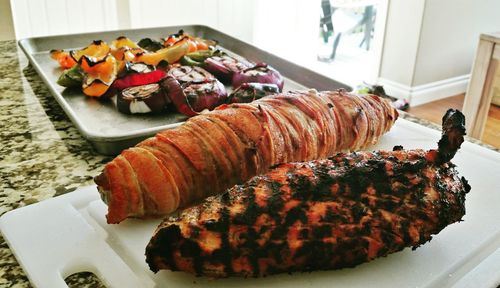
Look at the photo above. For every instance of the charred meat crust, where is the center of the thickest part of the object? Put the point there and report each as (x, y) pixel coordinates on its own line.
(323, 214)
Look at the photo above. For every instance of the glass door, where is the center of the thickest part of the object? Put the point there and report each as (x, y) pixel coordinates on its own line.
(349, 42)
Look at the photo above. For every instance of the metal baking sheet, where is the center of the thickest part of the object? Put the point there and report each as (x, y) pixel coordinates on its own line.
(110, 131)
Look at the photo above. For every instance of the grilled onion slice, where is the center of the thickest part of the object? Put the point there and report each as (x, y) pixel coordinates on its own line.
(260, 73)
(190, 98)
(148, 98)
(224, 66)
(190, 74)
(248, 92)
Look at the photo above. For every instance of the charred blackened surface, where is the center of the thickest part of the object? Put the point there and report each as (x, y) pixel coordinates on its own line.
(252, 210)
(223, 255)
(251, 245)
(301, 186)
(448, 201)
(322, 231)
(324, 214)
(297, 213)
(275, 201)
(332, 216)
(161, 249)
(325, 180)
(453, 135)
(397, 148)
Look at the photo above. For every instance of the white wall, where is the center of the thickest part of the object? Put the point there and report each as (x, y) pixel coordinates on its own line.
(56, 17)
(285, 27)
(449, 37)
(236, 18)
(402, 33)
(6, 24)
(430, 46)
(155, 13)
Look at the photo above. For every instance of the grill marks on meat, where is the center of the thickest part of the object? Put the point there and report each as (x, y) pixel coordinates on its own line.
(318, 215)
(216, 150)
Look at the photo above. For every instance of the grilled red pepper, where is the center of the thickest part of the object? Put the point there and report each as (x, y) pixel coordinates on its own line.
(139, 79)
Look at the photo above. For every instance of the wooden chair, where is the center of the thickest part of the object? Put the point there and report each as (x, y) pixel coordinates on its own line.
(336, 20)
(480, 91)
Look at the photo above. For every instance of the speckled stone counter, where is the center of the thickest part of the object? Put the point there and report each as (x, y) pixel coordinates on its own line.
(42, 154)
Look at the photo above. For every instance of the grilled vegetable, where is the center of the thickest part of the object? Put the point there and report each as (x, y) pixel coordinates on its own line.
(150, 44)
(188, 74)
(99, 74)
(205, 95)
(260, 73)
(224, 66)
(72, 77)
(135, 67)
(100, 64)
(192, 90)
(319, 215)
(215, 150)
(63, 58)
(123, 41)
(173, 38)
(248, 92)
(142, 99)
(195, 43)
(198, 58)
(170, 54)
(127, 54)
(138, 79)
(95, 52)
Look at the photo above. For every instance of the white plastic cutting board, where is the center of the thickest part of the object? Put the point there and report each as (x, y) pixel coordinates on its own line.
(68, 234)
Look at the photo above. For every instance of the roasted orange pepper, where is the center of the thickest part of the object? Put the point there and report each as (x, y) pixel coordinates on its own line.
(99, 75)
(195, 43)
(126, 54)
(102, 69)
(200, 45)
(123, 41)
(64, 59)
(98, 50)
(172, 39)
(95, 89)
(170, 54)
(192, 46)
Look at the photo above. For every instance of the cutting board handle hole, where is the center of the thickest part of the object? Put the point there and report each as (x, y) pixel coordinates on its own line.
(77, 279)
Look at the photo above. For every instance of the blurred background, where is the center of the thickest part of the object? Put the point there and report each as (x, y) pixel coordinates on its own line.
(421, 51)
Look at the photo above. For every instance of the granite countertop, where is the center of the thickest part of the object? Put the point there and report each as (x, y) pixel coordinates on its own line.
(42, 154)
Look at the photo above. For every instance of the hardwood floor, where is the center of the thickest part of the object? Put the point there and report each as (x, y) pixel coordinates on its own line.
(434, 111)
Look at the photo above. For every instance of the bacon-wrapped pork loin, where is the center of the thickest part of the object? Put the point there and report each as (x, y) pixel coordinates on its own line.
(216, 150)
